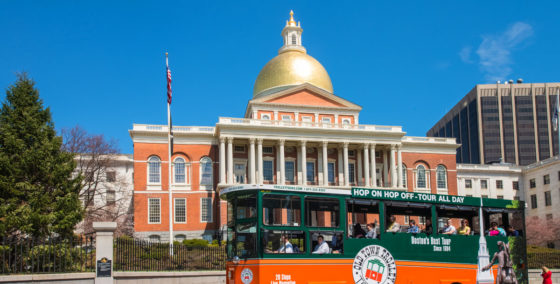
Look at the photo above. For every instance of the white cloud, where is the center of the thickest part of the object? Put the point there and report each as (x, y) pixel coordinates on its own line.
(495, 51)
(465, 54)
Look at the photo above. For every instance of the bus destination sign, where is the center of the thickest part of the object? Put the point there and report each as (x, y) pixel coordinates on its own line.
(413, 196)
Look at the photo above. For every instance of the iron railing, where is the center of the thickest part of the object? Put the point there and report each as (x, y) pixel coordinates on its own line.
(548, 259)
(139, 255)
(52, 255)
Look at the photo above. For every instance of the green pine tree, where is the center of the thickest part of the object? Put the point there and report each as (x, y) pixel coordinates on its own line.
(38, 193)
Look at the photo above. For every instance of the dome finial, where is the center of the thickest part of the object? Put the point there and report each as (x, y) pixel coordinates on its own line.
(292, 22)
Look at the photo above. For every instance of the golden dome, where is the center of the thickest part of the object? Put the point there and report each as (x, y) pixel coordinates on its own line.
(292, 68)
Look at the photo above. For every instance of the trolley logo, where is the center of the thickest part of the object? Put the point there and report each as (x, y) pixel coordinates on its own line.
(246, 276)
(374, 265)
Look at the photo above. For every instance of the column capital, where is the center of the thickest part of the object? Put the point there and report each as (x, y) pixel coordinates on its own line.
(399, 146)
(393, 147)
(281, 142)
(365, 146)
(222, 139)
(229, 139)
(302, 142)
(345, 144)
(259, 141)
(252, 141)
(372, 145)
(324, 143)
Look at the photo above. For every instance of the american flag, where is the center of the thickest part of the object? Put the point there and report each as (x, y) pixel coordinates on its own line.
(168, 81)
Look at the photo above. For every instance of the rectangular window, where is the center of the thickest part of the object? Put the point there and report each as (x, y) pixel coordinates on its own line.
(547, 198)
(111, 197)
(286, 117)
(331, 172)
(516, 198)
(351, 172)
(290, 171)
(311, 172)
(239, 172)
(268, 170)
(532, 183)
(546, 179)
(533, 201)
(111, 176)
(206, 210)
(500, 197)
(484, 196)
(306, 118)
(558, 175)
(483, 184)
(515, 185)
(281, 210)
(351, 153)
(326, 120)
(267, 150)
(499, 184)
(180, 210)
(239, 149)
(468, 183)
(321, 212)
(154, 209)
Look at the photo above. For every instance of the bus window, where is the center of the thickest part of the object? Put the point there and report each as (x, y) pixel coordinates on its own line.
(281, 210)
(244, 240)
(360, 213)
(404, 217)
(246, 206)
(327, 242)
(288, 242)
(503, 222)
(457, 220)
(321, 212)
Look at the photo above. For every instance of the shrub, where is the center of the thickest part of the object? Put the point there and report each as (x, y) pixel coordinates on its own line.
(195, 243)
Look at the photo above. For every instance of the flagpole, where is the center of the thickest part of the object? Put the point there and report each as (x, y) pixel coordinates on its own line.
(557, 119)
(169, 163)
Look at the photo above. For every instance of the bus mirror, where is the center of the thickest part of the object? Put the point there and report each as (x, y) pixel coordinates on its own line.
(236, 259)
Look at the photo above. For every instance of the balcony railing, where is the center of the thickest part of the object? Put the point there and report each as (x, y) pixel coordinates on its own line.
(182, 129)
(284, 123)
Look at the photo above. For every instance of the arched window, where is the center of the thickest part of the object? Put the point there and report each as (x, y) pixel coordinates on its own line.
(180, 237)
(179, 170)
(441, 177)
(154, 170)
(294, 39)
(265, 117)
(154, 238)
(206, 173)
(420, 177)
(403, 175)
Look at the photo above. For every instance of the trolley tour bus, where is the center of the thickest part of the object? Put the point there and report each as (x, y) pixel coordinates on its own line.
(296, 234)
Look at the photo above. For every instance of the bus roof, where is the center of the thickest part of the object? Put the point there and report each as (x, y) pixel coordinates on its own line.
(382, 194)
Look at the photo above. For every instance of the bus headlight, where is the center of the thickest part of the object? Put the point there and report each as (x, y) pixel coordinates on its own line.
(235, 259)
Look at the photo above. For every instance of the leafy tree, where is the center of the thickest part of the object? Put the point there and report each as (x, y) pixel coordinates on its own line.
(38, 191)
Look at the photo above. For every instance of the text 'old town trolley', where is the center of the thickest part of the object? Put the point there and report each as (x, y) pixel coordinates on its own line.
(295, 234)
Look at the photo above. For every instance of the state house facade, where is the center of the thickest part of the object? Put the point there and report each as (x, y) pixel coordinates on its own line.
(295, 132)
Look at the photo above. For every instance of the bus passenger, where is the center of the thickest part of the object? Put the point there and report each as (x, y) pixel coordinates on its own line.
(493, 231)
(449, 229)
(371, 233)
(358, 232)
(512, 232)
(337, 244)
(394, 226)
(502, 231)
(428, 230)
(412, 227)
(322, 247)
(464, 229)
(286, 246)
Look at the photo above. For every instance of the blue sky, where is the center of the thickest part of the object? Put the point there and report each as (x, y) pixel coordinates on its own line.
(101, 64)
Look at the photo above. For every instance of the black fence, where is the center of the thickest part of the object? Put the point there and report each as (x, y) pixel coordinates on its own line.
(548, 259)
(137, 255)
(53, 255)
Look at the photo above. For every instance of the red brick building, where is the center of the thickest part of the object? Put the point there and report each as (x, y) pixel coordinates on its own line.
(296, 131)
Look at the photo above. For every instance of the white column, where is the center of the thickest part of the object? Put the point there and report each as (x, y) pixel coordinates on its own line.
(345, 153)
(366, 165)
(254, 114)
(373, 166)
(393, 169)
(222, 160)
(230, 160)
(399, 167)
(359, 166)
(299, 166)
(340, 167)
(385, 164)
(259, 161)
(282, 179)
(303, 163)
(325, 164)
(252, 161)
(319, 167)
(275, 115)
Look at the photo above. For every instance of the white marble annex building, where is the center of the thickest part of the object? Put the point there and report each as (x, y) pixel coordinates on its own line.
(295, 131)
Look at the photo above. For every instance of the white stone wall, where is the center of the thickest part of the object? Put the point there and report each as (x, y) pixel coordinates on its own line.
(491, 174)
(537, 171)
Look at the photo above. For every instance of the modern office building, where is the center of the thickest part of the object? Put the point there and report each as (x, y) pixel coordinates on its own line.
(503, 122)
(296, 132)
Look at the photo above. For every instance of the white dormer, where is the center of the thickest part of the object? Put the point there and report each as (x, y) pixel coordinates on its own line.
(292, 36)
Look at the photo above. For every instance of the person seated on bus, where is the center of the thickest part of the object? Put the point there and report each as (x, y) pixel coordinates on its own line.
(428, 229)
(412, 228)
(286, 245)
(337, 243)
(493, 231)
(511, 232)
(371, 233)
(449, 229)
(503, 232)
(358, 231)
(464, 229)
(322, 247)
(394, 226)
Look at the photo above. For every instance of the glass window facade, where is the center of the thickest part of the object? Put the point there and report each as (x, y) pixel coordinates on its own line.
(268, 170)
(180, 210)
(525, 129)
(491, 129)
